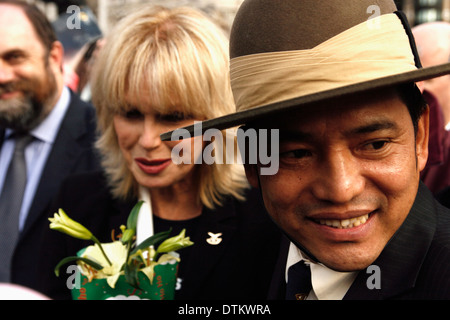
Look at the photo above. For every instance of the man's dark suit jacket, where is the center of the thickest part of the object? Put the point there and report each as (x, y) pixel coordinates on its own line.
(239, 267)
(415, 264)
(72, 152)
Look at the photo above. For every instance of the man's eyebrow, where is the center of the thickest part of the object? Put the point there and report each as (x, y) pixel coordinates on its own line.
(12, 52)
(294, 135)
(291, 135)
(372, 127)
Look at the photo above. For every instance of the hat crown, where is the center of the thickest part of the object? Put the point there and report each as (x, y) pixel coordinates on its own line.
(267, 35)
(282, 25)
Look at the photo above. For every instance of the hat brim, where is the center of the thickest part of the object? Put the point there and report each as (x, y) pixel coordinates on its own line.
(243, 117)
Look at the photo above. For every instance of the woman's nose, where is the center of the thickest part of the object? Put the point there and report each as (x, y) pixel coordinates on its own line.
(150, 132)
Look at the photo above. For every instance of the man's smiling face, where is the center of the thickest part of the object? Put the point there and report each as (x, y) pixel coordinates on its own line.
(28, 87)
(348, 176)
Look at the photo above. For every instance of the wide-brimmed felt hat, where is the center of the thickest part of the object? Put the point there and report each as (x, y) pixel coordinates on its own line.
(288, 54)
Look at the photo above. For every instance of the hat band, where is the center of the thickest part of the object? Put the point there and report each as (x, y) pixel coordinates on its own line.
(370, 50)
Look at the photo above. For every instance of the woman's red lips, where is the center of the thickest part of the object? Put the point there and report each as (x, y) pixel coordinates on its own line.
(152, 166)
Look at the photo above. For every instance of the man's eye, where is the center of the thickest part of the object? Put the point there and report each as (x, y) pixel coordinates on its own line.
(14, 57)
(297, 154)
(377, 145)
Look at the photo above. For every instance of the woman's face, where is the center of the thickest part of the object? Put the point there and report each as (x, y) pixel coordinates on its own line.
(148, 158)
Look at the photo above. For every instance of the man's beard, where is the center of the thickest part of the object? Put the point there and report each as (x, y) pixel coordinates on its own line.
(25, 112)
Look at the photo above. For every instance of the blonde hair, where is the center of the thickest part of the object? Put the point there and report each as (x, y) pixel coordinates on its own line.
(165, 54)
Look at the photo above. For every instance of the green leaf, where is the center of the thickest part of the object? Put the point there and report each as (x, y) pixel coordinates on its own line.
(92, 263)
(150, 241)
(131, 275)
(132, 218)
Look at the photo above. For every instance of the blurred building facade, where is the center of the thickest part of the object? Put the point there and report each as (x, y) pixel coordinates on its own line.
(223, 11)
(108, 11)
(421, 11)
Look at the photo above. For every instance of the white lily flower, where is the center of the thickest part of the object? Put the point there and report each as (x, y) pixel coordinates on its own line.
(117, 253)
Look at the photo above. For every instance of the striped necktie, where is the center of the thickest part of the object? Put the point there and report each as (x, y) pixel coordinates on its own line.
(11, 203)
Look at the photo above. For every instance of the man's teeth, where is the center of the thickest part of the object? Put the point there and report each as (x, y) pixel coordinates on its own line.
(345, 223)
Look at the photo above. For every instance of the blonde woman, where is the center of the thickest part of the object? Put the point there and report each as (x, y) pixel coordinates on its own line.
(161, 69)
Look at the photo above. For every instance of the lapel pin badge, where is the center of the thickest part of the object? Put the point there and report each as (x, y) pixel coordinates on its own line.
(214, 238)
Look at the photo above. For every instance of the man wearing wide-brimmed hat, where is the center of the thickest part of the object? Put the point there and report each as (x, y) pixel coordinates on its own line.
(337, 78)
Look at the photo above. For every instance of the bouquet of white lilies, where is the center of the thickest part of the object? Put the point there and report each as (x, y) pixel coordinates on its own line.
(122, 258)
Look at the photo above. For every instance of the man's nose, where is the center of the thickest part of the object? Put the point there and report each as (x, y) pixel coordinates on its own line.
(6, 72)
(339, 178)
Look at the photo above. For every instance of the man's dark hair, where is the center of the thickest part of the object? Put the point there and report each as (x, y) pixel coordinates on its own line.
(413, 99)
(39, 21)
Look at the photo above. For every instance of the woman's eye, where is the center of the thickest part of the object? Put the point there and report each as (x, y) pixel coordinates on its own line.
(133, 114)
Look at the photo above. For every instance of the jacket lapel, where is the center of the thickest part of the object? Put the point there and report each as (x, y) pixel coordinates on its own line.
(277, 289)
(2, 136)
(62, 158)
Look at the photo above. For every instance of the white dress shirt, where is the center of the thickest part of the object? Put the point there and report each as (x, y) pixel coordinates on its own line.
(327, 284)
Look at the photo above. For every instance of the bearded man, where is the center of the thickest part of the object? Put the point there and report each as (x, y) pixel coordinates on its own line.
(46, 133)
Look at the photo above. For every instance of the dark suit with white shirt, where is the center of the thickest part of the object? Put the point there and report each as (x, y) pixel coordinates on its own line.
(415, 264)
(71, 153)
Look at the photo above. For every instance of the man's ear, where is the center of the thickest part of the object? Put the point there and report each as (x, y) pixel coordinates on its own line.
(421, 85)
(56, 56)
(422, 139)
(251, 171)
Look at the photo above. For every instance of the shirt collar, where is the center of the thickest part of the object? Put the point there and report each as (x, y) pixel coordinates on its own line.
(49, 127)
(327, 283)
